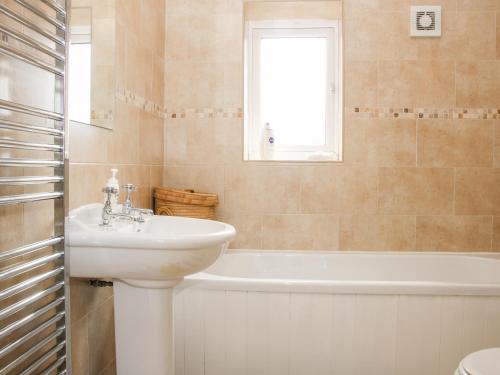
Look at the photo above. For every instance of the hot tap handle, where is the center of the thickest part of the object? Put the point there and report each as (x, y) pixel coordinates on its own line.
(129, 188)
(109, 190)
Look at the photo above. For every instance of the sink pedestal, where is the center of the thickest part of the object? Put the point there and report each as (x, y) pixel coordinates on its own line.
(143, 325)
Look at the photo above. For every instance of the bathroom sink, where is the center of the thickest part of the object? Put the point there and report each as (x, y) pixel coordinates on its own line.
(144, 260)
(159, 251)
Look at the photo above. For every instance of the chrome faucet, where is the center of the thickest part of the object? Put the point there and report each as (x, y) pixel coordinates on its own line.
(127, 204)
(107, 211)
(128, 207)
(129, 212)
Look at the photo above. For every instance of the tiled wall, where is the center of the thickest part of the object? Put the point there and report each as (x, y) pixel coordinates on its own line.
(421, 166)
(135, 147)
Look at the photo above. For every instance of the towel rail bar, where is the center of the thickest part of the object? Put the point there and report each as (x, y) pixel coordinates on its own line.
(31, 42)
(28, 23)
(12, 327)
(20, 55)
(54, 22)
(30, 180)
(21, 108)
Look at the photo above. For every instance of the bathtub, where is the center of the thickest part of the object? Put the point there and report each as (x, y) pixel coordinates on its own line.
(314, 313)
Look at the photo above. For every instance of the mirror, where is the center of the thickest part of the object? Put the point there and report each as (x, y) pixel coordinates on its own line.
(293, 80)
(91, 83)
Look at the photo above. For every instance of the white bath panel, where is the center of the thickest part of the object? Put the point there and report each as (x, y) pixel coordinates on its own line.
(311, 319)
(343, 349)
(257, 323)
(268, 339)
(235, 332)
(194, 339)
(375, 334)
(473, 324)
(492, 323)
(417, 346)
(451, 322)
(278, 334)
(215, 340)
(219, 332)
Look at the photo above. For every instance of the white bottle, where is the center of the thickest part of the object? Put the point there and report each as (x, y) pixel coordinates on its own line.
(268, 143)
(113, 183)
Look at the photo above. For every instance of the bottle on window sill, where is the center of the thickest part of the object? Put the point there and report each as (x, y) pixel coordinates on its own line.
(268, 142)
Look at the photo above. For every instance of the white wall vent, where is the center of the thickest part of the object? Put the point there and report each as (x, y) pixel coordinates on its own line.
(425, 20)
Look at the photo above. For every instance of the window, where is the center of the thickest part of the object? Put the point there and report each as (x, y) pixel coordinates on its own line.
(293, 84)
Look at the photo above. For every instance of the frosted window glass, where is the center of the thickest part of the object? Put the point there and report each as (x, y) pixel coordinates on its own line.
(293, 87)
(79, 82)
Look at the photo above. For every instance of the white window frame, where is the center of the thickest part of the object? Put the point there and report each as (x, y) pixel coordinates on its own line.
(257, 30)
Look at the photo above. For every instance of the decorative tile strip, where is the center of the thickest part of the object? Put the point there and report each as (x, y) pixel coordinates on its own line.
(132, 98)
(102, 115)
(425, 113)
(206, 113)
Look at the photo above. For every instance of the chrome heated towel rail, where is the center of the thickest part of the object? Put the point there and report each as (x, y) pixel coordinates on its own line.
(33, 284)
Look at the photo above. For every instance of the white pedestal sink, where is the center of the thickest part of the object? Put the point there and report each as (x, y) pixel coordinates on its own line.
(145, 260)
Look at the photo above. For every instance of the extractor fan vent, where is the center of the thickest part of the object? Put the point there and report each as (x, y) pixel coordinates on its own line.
(425, 21)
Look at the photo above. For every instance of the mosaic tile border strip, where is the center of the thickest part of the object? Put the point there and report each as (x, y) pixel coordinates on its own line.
(132, 98)
(206, 113)
(425, 113)
(360, 112)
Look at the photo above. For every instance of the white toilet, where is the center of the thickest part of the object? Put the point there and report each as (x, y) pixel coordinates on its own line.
(483, 362)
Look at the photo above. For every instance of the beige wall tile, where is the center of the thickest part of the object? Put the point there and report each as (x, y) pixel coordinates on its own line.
(248, 229)
(400, 84)
(477, 5)
(477, 191)
(300, 232)
(498, 34)
(380, 142)
(496, 233)
(360, 36)
(403, 5)
(475, 35)
(446, 47)
(338, 189)
(496, 150)
(272, 10)
(88, 143)
(261, 189)
(377, 232)
(393, 37)
(454, 233)
(123, 145)
(415, 191)
(361, 84)
(151, 140)
(478, 84)
(80, 346)
(85, 298)
(229, 37)
(110, 369)
(101, 337)
(351, 7)
(455, 143)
